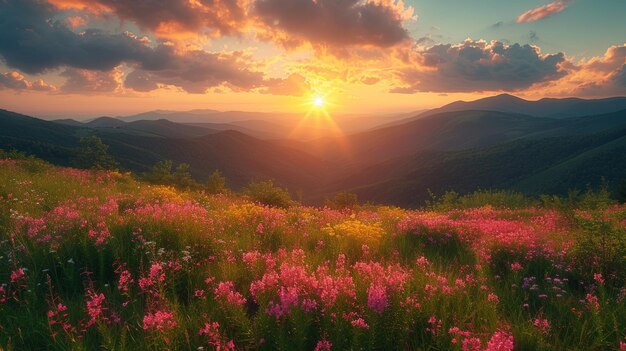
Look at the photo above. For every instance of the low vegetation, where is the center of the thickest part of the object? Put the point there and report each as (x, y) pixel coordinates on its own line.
(95, 259)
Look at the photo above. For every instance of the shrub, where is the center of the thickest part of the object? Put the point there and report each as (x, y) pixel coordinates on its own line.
(161, 173)
(267, 193)
(343, 200)
(93, 154)
(497, 198)
(216, 184)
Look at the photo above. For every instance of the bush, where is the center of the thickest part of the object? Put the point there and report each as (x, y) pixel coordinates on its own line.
(216, 184)
(600, 247)
(267, 193)
(451, 200)
(343, 200)
(161, 173)
(93, 154)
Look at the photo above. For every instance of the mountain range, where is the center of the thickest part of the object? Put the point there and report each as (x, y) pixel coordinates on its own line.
(544, 146)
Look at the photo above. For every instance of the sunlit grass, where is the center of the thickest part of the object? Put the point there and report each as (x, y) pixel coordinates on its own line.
(98, 260)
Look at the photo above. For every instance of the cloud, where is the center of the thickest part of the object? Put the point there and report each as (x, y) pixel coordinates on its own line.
(475, 66)
(172, 17)
(620, 77)
(16, 81)
(85, 81)
(599, 76)
(295, 84)
(497, 25)
(544, 11)
(334, 23)
(196, 71)
(34, 43)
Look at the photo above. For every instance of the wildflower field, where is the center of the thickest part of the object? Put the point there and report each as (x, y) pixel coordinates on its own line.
(95, 260)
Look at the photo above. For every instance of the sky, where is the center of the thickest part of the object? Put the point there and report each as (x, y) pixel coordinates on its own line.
(82, 58)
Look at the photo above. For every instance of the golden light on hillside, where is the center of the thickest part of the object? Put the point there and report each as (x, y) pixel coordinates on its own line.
(317, 120)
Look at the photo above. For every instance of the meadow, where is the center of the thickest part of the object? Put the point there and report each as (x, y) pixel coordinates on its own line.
(99, 260)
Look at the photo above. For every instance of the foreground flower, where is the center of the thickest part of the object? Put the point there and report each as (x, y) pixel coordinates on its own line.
(500, 341)
(323, 345)
(159, 321)
(377, 298)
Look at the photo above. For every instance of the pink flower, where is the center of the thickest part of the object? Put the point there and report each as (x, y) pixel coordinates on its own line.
(95, 310)
(592, 302)
(211, 331)
(377, 298)
(125, 280)
(159, 321)
(543, 324)
(250, 258)
(323, 345)
(155, 277)
(598, 278)
(471, 344)
(516, 266)
(500, 341)
(360, 323)
(493, 298)
(199, 293)
(226, 291)
(622, 346)
(17, 275)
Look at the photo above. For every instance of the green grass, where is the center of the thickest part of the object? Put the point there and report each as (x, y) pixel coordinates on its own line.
(367, 278)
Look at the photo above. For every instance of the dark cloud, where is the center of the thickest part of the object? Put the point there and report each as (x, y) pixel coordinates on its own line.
(533, 36)
(171, 16)
(478, 66)
(332, 22)
(197, 71)
(33, 42)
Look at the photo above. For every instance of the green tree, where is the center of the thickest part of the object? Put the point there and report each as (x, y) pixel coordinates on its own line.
(182, 176)
(343, 200)
(267, 193)
(160, 173)
(93, 153)
(216, 184)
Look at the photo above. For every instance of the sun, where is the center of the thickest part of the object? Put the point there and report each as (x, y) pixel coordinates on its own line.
(318, 101)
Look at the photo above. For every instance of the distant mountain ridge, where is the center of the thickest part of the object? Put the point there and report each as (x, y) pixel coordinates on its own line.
(546, 107)
(395, 163)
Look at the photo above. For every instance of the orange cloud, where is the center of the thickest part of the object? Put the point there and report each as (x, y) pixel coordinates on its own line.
(597, 77)
(76, 21)
(170, 19)
(295, 84)
(544, 11)
(17, 81)
(91, 82)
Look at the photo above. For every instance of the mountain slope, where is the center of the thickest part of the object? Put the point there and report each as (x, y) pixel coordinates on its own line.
(547, 107)
(549, 165)
(240, 157)
(441, 132)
